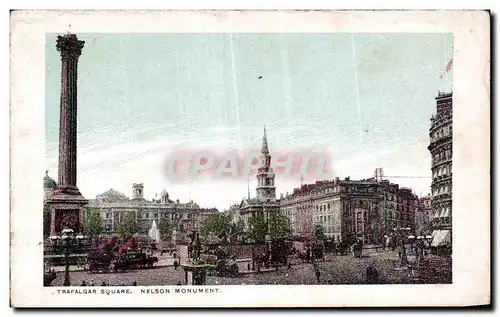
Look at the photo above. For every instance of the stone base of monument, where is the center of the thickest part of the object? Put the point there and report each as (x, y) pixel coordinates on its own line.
(67, 212)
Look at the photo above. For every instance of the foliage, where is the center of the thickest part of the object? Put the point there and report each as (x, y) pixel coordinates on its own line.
(128, 226)
(257, 228)
(165, 229)
(218, 224)
(93, 224)
(319, 232)
(279, 226)
(46, 223)
(180, 227)
(238, 228)
(109, 245)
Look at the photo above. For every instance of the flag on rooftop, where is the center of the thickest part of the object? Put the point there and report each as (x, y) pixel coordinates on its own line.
(447, 69)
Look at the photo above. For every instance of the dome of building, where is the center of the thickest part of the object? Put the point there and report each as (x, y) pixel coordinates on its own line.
(48, 182)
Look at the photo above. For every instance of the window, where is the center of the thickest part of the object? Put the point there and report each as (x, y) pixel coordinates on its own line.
(146, 215)
(156, 215)
(328, 206)
(108, 215)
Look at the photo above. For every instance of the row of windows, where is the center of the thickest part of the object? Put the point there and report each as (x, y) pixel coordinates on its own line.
(442, 156)
(445, 189)
(324, 207)
(323, 218)
(441, 133)
(156, 215)
(442, 171)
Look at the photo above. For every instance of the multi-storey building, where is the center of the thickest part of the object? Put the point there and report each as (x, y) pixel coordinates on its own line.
(441, 150)
(113, 205)
(423, 215)
(49, 185)
(265, 202)
(349, 209)
(234, 213)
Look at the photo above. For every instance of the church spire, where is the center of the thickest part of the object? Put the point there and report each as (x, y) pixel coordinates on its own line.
(265, 148)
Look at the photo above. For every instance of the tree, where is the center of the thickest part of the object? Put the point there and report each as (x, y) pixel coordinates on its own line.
(93, 224)
(180, 227)
(128, 226)
(46, 223)
(279, 226)
(257, 228)
(217, 224)
(319, 232)
(238, 227)
(165, 229)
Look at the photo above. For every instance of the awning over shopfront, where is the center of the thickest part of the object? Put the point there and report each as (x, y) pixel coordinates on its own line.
(441, 237)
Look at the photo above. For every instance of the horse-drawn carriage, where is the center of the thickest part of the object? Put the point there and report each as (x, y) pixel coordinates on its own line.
(49, 275)
(100, 261)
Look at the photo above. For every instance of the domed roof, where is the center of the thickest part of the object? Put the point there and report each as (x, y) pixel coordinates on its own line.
(48, 182)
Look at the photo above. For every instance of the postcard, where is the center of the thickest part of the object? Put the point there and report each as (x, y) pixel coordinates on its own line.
(250, 158)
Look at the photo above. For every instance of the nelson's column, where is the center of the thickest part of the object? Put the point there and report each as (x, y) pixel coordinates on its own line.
(67, 203)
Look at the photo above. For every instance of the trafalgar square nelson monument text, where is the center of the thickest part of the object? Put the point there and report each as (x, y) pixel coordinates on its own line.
(67, 203)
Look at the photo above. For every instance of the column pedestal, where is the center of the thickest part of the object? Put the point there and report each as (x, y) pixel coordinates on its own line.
(67, 212)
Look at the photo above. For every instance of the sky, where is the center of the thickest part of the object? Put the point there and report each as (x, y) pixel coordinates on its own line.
(365, 99)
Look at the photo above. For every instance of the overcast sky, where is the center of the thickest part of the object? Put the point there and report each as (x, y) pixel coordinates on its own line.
(366, 99)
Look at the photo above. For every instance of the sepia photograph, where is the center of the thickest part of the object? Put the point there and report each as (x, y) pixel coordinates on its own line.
(184, 162)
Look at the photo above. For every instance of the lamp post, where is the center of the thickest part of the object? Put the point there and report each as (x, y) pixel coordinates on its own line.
(68, 239)
(429, 239)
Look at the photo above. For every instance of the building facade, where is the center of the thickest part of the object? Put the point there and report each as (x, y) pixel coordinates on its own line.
(424, 215)
(349, 209)
(113, 205)
(441, 150)
(49, 185)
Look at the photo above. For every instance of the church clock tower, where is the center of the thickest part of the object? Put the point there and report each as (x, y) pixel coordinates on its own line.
(266, 190)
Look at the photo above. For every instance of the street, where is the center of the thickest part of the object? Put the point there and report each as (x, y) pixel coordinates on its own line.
(344, 269)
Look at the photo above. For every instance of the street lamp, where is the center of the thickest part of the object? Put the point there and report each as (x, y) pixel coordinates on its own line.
(429, 239)
(68, 240)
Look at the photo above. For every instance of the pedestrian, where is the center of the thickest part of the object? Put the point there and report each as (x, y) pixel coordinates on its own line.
(179, 283)
(248, 266)
(83, 283)
(103, 283)
(176, 265)
(91, 283)
(317, 275)
(372, 275)
(135, 283)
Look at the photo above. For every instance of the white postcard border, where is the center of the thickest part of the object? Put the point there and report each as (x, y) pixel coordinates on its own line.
(471, 153)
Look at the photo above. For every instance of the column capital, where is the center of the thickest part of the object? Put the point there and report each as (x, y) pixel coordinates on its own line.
(69, 46)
